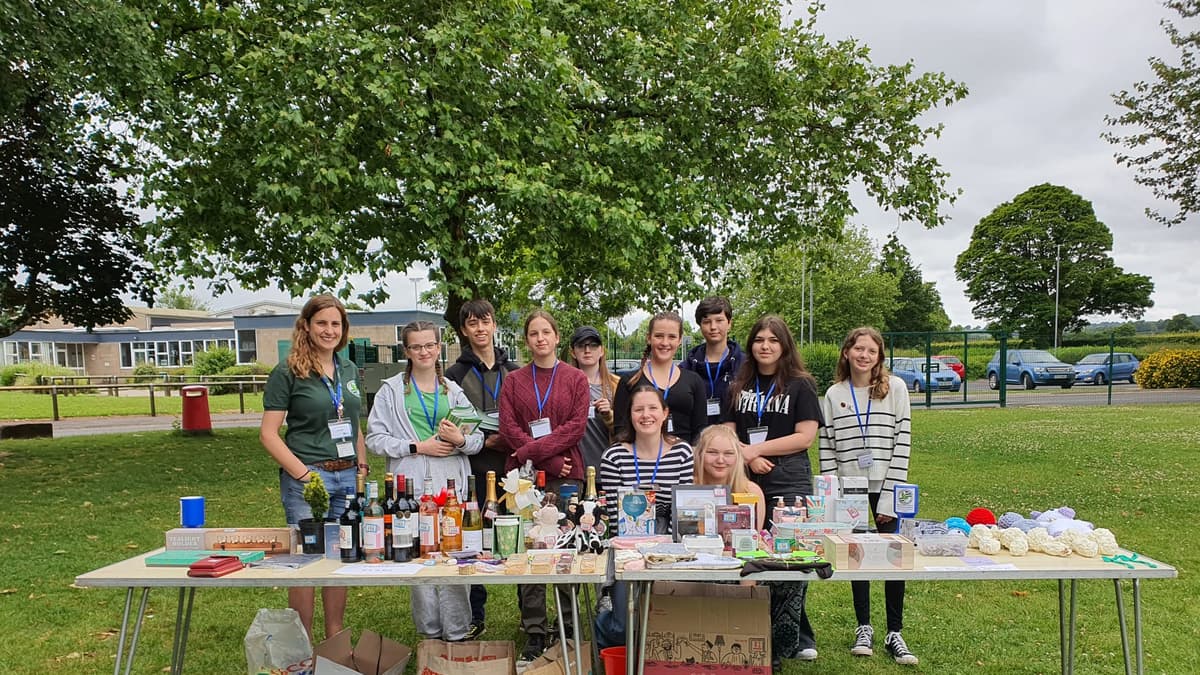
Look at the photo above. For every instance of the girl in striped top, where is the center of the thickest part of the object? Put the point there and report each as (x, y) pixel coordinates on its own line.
(866, 433)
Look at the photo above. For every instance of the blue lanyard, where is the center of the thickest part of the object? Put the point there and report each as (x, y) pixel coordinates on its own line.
(862, 428)
(421, 397)
(637, 469)
(760, 400)
(712, 386)
(671, 373)
(495, 392)
(336, 396)
(537, 394)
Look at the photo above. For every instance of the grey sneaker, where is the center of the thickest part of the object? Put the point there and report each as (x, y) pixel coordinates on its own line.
(604, 604)
(899, 650)
(864, 638)
(809, 654)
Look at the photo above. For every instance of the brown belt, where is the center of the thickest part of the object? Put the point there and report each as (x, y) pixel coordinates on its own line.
(335, 464)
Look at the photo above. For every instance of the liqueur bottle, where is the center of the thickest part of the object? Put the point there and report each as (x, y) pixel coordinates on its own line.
(427, 521)
(472, 524)
(451, 520)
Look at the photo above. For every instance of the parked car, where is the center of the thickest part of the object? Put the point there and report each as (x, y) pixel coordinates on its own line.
(952, 363)
(912, 371)
(1094, 368)
(623, 366)
(1031, 367)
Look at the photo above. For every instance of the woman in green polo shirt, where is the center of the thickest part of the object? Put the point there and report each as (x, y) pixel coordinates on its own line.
(316, 393)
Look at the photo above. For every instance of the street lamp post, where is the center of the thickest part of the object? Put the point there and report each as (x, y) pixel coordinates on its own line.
(1057, 259)
(416, 297)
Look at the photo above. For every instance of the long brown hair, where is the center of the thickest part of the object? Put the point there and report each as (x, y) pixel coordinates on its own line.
(417, 327)
(302, 359)
(661, 316)
(739, 482)
(880, 377)
(791, 364)
(627, 434)
(605, 378)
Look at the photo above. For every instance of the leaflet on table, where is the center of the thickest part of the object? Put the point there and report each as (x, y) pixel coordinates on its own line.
(377, 570)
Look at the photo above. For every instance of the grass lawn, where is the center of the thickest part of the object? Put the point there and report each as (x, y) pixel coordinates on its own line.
(72, 505)
(20, 405)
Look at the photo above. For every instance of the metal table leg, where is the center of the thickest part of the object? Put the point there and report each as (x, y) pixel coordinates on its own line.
(1137, 626)
(125, 631)
(591, 623)
(181, 636)
(137, 631)
(578, 631)
(1062, 627)
(645, 618)
(1071, 628)
(1121, 623)
(633, 627)
(562, 630)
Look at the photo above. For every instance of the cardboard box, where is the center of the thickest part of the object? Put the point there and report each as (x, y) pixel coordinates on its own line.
(267, 539)
(551, 662)
(488, 657)
(868, 551)
(373, 655)
(696, 626)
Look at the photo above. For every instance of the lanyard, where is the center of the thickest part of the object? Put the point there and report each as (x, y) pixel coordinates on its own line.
(495, 391)
(637, 469)
(760, 400)
(537, 394)
(714, 377)
(862, 428)
(335, 395)
(671, 373)
(432, 419)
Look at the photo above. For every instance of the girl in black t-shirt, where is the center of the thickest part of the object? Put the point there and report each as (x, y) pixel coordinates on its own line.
(683, 390)
(774, 409)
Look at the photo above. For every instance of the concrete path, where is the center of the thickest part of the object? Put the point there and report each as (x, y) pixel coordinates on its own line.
(123, 424)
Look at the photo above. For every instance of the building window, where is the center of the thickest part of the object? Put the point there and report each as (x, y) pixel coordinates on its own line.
(247, 348)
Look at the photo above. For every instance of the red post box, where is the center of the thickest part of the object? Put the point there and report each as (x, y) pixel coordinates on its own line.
(196, 418)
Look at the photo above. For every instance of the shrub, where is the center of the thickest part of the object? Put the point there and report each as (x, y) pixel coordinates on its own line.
(213, 361)
(146, 372)
(821, 360)
(27, 374)
(240, 372)
(1170, 369)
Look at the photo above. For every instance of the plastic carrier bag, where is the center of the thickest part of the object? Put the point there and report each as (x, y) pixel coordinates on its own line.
(277, 643)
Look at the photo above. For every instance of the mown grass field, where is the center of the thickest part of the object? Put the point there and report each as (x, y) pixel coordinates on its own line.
(19, 405)
(72, 505)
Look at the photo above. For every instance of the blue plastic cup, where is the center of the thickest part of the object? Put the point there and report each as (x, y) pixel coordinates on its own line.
(191, 511)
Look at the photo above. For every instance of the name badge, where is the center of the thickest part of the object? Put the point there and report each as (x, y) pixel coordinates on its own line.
(591, 412)
(865, 460)
(540, 427)
(342, 433)
(757, 435)
(713, 406)
(670, 425)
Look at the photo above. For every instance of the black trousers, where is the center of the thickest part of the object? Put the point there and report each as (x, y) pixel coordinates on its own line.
(893, 591)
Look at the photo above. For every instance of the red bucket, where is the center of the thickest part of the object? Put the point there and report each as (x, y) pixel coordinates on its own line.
(614, 660)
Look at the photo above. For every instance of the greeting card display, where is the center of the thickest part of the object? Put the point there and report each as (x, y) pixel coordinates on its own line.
(635, 515)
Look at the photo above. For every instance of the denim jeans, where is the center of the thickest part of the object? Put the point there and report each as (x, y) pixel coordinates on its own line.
(291, 492)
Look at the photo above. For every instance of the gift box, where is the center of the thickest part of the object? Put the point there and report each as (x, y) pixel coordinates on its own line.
(868, 551)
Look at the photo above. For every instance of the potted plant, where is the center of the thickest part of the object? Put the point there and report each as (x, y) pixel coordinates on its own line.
(312, 530)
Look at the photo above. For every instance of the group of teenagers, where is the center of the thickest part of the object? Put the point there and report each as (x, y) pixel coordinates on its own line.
(721, 416)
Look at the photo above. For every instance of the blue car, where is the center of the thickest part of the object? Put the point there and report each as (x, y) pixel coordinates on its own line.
(1094, 368)
(1031, 367)
(912, 371)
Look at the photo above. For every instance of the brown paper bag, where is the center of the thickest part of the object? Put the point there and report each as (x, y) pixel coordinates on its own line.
(551, 662)
(492, 657)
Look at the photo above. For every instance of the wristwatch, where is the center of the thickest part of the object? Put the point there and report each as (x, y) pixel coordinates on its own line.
(412, 447)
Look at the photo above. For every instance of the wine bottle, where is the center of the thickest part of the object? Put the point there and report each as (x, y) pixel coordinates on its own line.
(427, 521)
(491, 509)
(349, 532)
(451, 520)
(401, 530)
(360, 497)
(414, 516)
(472, 525)
(373, 526)
(389, 509)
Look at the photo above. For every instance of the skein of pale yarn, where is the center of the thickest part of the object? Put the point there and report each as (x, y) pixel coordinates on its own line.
(1106, 542)
(1015, 541)
(1038, 538)
(989, 546)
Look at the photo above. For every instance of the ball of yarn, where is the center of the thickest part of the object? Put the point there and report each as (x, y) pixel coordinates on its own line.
(1026, 524)
(1067, 511)
(989, 546)
(1038, 538)
(1009, 519)
(981, 516)
(956, 523)
(1105, 540)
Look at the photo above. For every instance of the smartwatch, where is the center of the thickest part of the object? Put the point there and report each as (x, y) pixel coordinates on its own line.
(412, 447)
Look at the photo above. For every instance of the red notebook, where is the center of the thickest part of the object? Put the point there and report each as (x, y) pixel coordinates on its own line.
(215, 566)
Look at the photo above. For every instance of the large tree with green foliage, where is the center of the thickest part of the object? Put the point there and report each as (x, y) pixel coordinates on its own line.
(596, 155)
(69, 241)
(848, 287)
(1009, 267)
(1164, 147)
(1180, 323)
(918, 306)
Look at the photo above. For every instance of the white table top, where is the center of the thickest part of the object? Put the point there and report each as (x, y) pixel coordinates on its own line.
(135, 573)
(936, 568)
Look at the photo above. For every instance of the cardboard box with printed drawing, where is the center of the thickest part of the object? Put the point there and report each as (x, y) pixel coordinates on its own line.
(487, 657)
(695, 626)
(373, 655)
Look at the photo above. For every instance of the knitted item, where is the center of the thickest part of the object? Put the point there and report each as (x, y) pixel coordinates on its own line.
(981, 516)
(1009, 519)
(956, 523)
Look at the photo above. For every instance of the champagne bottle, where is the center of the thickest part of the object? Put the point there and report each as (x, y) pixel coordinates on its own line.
(389, 509)
(428, 520)
(349, 532)
(491, 509)
(414, 516)
(373, 525)
(451, 520)
(589, 493)
(472, 525)
(402, 536)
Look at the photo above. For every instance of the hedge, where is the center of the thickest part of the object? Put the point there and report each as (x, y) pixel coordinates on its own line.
(27, 374)
(1170, 369)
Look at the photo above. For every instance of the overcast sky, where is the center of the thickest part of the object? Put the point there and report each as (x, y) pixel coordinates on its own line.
(1040, 75)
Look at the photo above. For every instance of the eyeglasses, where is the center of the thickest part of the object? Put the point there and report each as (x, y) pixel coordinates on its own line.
(427, 347)
(588, 345)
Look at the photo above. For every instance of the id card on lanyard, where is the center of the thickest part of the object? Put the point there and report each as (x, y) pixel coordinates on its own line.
(340, 428)
(758, 434)
(864, 457)
(713, 404)
(541, 426)
(666, 392)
